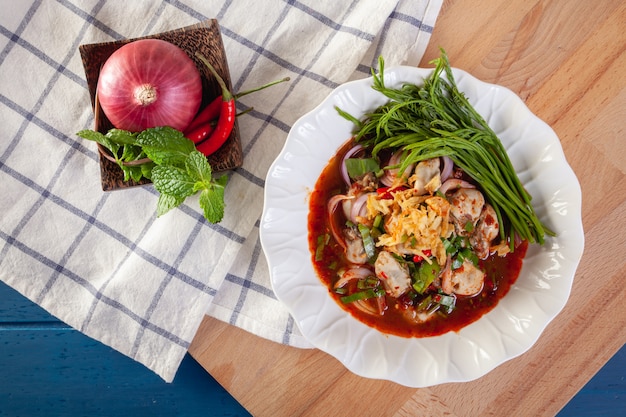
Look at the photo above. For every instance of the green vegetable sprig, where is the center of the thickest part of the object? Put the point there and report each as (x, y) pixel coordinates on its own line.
(435, 119)
(175, 167)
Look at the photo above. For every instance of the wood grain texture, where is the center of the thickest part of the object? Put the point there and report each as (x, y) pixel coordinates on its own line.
(566, 60)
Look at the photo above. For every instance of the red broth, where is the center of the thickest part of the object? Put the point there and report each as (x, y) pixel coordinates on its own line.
(501, 272)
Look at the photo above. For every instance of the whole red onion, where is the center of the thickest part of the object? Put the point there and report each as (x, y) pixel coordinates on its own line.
(149, 83)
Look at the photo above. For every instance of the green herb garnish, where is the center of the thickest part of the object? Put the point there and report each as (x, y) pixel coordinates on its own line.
(357, 167)
(175, 167)
(368, 241)
(425, 275)
(435, 119)
(363, 295)
(322, 241)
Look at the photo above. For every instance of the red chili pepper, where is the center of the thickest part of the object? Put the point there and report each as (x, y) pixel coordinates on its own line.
(418, 259)
(200, 133)
(385, 192)
(226, 120)
(212, 111)
(209, 113)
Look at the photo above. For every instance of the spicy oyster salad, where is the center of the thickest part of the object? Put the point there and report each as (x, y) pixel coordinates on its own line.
(428, 209)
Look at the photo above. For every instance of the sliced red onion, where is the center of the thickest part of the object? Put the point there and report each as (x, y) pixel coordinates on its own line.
(395, 158)
(382, 304)
(357, 272)
(387, 179)
(448, 167)
(360, 272)
(366, 307)
(455, 183)
(346, 206)
(344, 170)
(446, 273)
(359, 207)
(331, 206)
(391, 174)
(375, 306)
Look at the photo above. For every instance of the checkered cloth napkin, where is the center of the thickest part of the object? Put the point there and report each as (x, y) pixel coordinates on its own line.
(102, 261)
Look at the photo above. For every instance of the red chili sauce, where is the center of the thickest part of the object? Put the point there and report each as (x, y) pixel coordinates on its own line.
(501, 272)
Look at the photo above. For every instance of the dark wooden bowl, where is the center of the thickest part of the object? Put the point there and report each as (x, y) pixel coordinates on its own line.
(204, 37)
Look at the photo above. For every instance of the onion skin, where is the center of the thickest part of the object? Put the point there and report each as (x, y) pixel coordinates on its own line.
(149, 83)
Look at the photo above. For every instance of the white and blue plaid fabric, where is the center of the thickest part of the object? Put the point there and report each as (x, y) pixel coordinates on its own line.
(101, 261)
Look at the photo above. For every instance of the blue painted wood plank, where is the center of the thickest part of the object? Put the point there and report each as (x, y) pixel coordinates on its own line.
(15, 308)
(64, 373)
(49, 369)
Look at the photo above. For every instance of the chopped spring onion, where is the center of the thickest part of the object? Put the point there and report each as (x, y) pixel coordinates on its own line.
(449, 246)
(447, 301)
(322, 241)
(464, 254)
(378, 221)
(363, 295)
(368, 241)
(426, 274)
(437, 302)
(425, 304)
(369, 282)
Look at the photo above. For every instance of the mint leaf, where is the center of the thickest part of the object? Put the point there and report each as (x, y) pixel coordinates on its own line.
(165, 146)
(221, 181)
(212, 191)
(94, 136)
(146, 169)
(212, 200)
(101, 139)
(167, 202)
(122, 137)
(198, 167)
(173, 181)
(132, 153)
(177, 169)
(132, 172)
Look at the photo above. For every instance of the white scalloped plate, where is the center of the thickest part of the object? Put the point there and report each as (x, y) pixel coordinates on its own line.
(510, 329)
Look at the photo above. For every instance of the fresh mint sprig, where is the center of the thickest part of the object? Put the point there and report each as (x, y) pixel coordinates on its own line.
(175, 167)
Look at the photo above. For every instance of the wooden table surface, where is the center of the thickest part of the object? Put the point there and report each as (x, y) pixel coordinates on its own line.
(566, 59)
